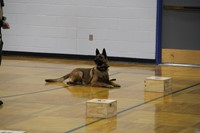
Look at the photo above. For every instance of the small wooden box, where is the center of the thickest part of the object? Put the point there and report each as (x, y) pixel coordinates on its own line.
(101, 108)
(157, 84)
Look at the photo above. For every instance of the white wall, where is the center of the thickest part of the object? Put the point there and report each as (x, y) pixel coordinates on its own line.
(126, 28)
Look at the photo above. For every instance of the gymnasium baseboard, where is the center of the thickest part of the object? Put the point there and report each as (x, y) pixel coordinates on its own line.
(75, 57)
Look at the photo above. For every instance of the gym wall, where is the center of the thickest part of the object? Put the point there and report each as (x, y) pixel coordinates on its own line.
(126, 28)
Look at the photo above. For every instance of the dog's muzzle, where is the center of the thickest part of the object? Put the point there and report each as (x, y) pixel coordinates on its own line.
(103, 67)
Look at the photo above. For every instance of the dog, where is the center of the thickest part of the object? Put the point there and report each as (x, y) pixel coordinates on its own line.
(97, 76)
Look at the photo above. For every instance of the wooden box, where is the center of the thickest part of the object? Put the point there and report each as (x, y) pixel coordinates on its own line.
(157, 84)
(101, 108)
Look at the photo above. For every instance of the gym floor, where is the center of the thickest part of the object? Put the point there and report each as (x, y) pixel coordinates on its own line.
(33, 106)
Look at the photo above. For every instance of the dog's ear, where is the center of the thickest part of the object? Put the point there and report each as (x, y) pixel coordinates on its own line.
(97, 52)
(104, 53)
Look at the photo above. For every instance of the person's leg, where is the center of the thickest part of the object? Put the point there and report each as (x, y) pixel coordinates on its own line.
(1, 103)
(1, 47)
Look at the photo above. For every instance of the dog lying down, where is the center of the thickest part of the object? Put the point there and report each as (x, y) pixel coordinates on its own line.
(97, 76)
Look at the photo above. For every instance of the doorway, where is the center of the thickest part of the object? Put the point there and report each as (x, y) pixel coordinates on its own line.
(180, 37)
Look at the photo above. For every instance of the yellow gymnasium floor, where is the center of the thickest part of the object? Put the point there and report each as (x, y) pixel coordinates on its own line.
(33, 106)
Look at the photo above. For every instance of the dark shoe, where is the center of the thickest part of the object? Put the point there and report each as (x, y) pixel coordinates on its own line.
(1, 103)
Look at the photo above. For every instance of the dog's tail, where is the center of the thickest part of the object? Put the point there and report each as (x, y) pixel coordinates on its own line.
(58, 79)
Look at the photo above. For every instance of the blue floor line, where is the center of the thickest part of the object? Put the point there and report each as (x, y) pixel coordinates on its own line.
(125, 110)
(30, 93)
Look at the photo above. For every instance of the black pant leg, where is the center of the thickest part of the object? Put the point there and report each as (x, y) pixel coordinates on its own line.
(1, 48)
(1, 103)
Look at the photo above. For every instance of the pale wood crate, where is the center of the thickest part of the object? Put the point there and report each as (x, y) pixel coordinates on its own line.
(158, 84)
(101, 108)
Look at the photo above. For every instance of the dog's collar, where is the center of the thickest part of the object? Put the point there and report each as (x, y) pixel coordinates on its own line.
(103, 67)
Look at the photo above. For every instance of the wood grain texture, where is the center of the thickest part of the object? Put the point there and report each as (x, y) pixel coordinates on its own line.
(101, 108)
(181, 56)
(33, 106)
(157, 84)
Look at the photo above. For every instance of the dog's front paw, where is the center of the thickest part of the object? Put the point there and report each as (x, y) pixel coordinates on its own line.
(109, 86)
(118, 86)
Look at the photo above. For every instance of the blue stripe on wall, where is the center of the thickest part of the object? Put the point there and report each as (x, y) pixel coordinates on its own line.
(158, 31)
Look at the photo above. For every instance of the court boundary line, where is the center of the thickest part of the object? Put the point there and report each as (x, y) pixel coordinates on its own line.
(31, 93)
(130, 108)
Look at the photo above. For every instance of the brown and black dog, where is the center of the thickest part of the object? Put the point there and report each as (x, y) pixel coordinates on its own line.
(97, 76)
